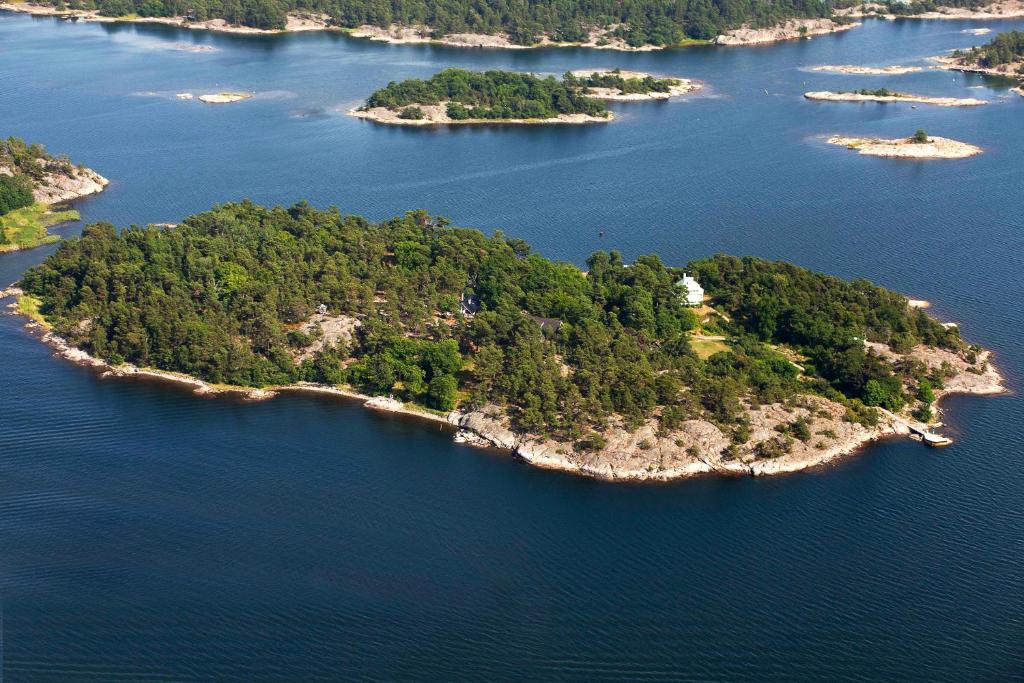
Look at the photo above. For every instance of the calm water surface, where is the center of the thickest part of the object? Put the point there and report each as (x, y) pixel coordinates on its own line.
(146, 534)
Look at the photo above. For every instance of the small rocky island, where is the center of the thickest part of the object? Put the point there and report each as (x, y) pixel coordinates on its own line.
(457, 96)
(918, 146)
(637, 371)
(32, 183)
(884, 95)
(868, 70)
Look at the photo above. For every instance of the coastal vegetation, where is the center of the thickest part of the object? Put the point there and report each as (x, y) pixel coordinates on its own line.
(29, 177)
(448, 317)
(918, 7)
(1004, 49)
(489, 95)
(652, 22)
(26, 227)
(622, 83)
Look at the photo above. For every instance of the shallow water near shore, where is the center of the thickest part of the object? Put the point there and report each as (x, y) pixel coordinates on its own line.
(147, 534)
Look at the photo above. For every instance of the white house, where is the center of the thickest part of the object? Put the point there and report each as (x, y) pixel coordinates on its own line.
(693, 293)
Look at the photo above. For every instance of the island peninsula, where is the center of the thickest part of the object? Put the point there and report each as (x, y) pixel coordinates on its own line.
(636, 371)
(1002, 56)
(32, 182)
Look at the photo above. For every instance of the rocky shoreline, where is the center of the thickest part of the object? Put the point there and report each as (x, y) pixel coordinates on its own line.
(854, 70)
(1009, 70)
(437, 114)
(1007, 9)
(906, 148)
(680, 87)
(828, 96)
(56, 188)
(645, 454)
(297, 22)
(794, 29)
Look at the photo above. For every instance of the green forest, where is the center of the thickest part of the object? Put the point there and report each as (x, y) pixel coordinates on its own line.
(450, 316)
(647, 22)
(1004, 48)
(23, 166)
(487, 95)
(616, 81)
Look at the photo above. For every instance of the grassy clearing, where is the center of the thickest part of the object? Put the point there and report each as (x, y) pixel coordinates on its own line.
(26, 227)
(28, 306)
(705, 348)
(687, 42)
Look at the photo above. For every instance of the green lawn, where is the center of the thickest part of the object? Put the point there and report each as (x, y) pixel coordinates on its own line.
(26, 228)
(705, 348)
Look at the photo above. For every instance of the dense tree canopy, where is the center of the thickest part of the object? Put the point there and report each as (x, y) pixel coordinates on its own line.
(639, 22)
(449, 316)
(488, 95)
(1004, 48)
(15, 192)
(616, 81)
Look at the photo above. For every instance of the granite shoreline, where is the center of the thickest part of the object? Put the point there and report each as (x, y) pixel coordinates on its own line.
(630, 455)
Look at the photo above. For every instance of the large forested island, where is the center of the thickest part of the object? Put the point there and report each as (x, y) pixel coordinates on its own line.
(32, 181)
(606, 23)
(457, 96)
(604, 371)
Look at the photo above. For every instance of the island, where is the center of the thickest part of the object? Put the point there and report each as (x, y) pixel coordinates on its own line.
(941, 9)
(32, 182)
(868, 70)
(457, 96)
(885, 95)
(616, 85)
(1002, 56)
(497, 24)
(918, 146)
(638, 371)
(222, 97)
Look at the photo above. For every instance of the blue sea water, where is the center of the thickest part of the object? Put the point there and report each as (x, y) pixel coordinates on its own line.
(146, 534)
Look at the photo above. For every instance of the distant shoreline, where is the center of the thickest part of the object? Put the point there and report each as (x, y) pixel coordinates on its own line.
(300, 22)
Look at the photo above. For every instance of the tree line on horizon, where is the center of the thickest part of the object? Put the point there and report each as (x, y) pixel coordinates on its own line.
(638, 22)
(222, 297)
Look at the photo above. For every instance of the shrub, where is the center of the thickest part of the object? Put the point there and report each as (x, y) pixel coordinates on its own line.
(15, 192)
